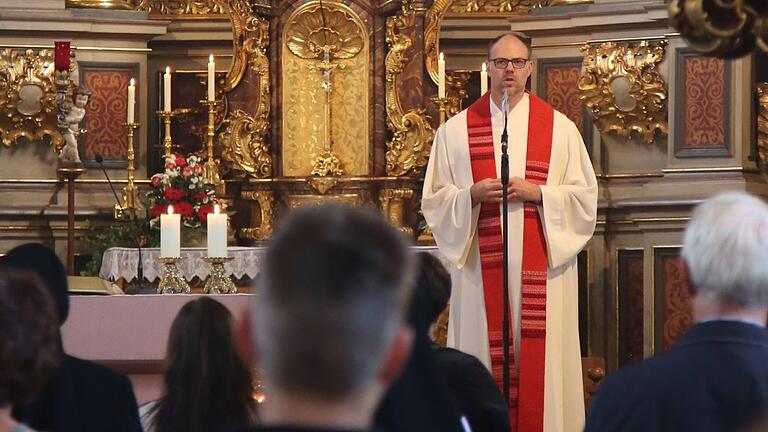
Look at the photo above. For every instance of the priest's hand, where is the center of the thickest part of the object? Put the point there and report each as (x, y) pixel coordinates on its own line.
(488, 190)
(522, 190)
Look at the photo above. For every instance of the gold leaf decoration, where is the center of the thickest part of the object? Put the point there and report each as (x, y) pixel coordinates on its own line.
(622, 88)
(317, 29)
(28, 97)
(181, 8)
(412, 134)
(762, 127)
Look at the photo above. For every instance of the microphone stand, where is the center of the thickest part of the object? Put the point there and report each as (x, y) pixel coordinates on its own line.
(505, 241)
(140, 267)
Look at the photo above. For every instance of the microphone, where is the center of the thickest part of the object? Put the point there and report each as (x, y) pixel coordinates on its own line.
(505, 102)
(504, 142)
(140, 267)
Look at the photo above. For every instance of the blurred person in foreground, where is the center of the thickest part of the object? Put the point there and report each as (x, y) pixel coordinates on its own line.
(327, 319)
(29, 343)
(715, 377)
(207, 383)
(80, 396)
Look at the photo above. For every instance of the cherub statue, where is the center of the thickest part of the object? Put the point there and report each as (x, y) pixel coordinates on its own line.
(71, 114)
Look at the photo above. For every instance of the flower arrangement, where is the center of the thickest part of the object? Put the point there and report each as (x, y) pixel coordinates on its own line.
(182, 185)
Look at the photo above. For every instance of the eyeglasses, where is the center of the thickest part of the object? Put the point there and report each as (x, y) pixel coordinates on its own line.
(517, 63)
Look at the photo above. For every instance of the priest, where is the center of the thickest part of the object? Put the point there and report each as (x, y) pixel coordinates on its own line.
(552, 197)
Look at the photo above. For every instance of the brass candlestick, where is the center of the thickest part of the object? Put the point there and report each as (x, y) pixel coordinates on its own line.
(441, 106)
(218, 282)
(132, 206)
(172, 281)
(167, 141)
(211, 167)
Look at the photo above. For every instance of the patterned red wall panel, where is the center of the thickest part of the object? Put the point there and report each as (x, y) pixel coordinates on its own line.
(703, 107)
(562, 92)
(630, 306)
(106, 113)
(673, 295)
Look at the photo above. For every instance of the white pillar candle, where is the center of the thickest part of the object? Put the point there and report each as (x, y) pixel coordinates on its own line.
(131, 100)
(167, 89)
(441, 76)
(170, 234)
(217, 233)
(483, 80)
(211, 79)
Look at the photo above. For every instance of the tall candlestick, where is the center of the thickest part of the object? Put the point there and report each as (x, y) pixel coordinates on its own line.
(211, 79)
(131, 100)
(441, 76)
(167, 89)
(483, 80)
(170, 234)
(217, 233)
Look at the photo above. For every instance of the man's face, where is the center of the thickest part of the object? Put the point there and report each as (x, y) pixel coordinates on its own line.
(509, 78)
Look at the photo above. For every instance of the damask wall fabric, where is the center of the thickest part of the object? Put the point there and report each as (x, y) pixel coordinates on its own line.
(106, 113)
(704, 101)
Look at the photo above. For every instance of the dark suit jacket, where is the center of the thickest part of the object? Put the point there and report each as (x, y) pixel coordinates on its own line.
(83, 396)
(476, 394)
(715, 378)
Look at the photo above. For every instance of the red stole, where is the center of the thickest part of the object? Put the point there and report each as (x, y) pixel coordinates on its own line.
(526, 405)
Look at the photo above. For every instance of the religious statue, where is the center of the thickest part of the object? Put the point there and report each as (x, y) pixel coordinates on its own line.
(70, 115)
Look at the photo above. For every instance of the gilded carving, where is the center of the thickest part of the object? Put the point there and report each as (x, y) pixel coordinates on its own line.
(392, 206)
(505, 7)
(182, 8)
(721, 28)
(455, 91)
(332, 59)
(243, 141)
(412, 134)
(28, 97)
(622, 88)
(100, 4)
(432, 21)
(262, 220)
(762, 127)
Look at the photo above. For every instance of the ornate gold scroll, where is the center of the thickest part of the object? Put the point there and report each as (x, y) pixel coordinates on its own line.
(412, 134)
(181, 9)
(762, 127)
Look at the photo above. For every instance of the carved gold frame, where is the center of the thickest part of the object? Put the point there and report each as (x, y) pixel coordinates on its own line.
(183, 9)
(637, 65)
(28, 69)
(412, 134)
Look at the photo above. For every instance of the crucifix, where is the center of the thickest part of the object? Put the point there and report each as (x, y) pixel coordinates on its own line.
(327, 163)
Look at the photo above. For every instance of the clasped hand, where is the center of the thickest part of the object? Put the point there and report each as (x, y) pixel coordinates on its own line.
(519, 190)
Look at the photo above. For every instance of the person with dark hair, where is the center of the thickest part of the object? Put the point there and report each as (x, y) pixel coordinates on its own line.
(207, 384)
(476, 394)
(80, 396)
(439, 385)
(328, 318)
(29, 342)
(552, 211)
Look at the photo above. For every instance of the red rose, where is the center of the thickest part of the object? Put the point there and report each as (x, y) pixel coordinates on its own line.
(184, 209)
(173, 194)
(170, 166)
(199, 196)
(180, 161)
(156, 180)
(198, 169)
(186, 172)
(202, 212)
(158, 209)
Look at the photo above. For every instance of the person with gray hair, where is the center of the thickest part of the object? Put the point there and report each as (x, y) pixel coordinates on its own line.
(328, 318)
(715, 377)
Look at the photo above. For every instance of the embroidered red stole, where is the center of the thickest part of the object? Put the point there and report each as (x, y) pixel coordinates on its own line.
(526, 405)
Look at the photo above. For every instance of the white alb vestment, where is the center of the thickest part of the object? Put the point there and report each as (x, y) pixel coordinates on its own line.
(569, 203)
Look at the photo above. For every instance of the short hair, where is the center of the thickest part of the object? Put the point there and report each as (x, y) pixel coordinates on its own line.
(329, 300)
(29, 337)
(522, 37)
(43, 262)
(432, 292)
(725, 247)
